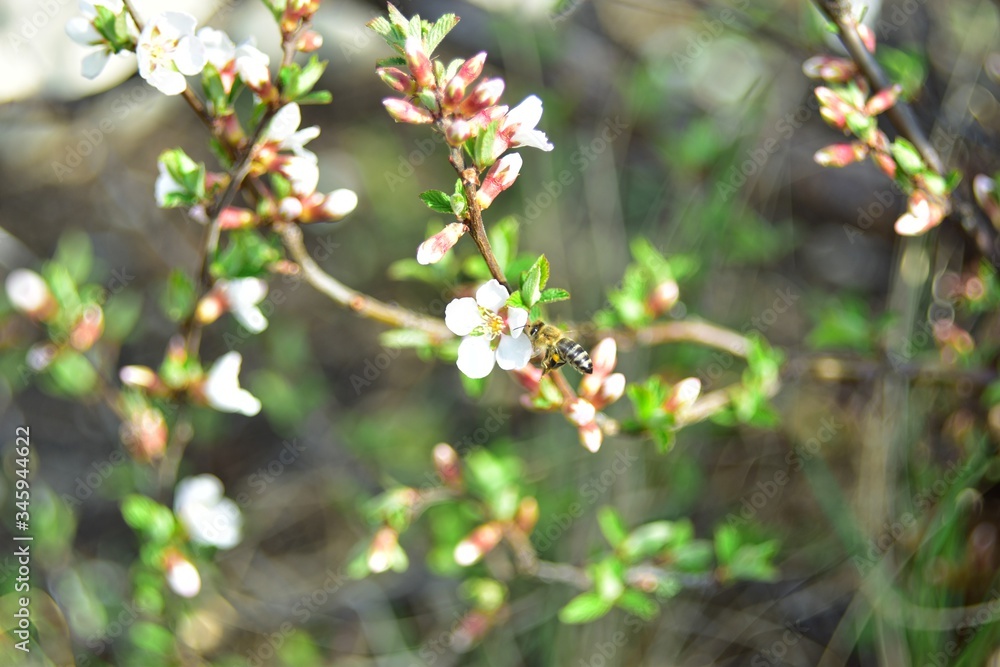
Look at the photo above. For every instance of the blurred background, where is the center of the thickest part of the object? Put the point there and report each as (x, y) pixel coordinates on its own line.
(689, 124)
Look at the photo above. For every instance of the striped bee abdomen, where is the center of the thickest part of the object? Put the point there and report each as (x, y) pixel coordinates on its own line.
(575, 355)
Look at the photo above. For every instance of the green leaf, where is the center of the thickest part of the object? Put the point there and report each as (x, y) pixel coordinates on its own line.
(72, 374)
(148, 517)
(380, 25)
(534, 280)
(121, 313)
(638, 604)
(609, 578)
(611, 525)
(482, 153)
(474, 387)
(437, 201)
(907, 68)
(179, 296)
(652, 538)
(437, 32)
(695, 556)
(584, 608)
(75, 253)
(727, 543)
(316, 97)
(514, 300)
(907, 156)
(552, 295)
(503, 237)
(393, 61)
(247, 255)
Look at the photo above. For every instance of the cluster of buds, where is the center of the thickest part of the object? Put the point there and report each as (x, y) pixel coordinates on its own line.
(466, 113)
(846, 105)
(292, 17)
(219, 388)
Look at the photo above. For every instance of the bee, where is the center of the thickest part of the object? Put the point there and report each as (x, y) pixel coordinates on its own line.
(556, 349)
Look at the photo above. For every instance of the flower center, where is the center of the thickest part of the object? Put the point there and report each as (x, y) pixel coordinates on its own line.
(492, 323)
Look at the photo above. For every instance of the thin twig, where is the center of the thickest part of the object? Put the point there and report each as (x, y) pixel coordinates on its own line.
(905, 121)
(474, 219)
(362, 304)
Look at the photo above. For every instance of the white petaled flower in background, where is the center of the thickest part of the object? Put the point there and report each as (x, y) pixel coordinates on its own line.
(82, 31)
(166, 185)
(340, 202)
(284, 130)
(242, 296)
(302, 174)
(517, 128)
(168, 50)
(480, 322)
(252, 65)
(222, 387)
(208, 516)
(220, 50)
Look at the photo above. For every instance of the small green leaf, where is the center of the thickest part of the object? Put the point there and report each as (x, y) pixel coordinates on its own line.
(727, 543)
(611, 525)
(179, 296)
(246, 255)
(514, 300)
(458, 204)
(148, 517)
(907, 156)
(72, 374)
(638, 604)
(609, 578)
(437, 201)
(121, 313)
(482, 153)
(316, 97)
(652, 538)
(584, 608)
(552, 295)
(438, 31)
(75, 252)
(534, 280)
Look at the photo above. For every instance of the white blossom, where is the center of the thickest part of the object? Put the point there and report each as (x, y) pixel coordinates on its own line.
(222, 387)
(242, 295)
(478, 320)
(208, 516)
(168, 50)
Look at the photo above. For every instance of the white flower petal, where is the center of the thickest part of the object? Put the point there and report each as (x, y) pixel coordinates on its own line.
(208, 516)
(219, 49)
(475, 357)
(340, 202)
(165, 185)
(513, 353)
(197, 490)
(517, 319)
(245, 292)
(190, 56)
(251, 318)
(82, 31)
(532, 139)
(93, 64)
(222, 387)
(183, 579)
(167, 81)
(462, 316)
(302, 173)
(492, 296)
(526, 114)
(284, 124)
(28, 291)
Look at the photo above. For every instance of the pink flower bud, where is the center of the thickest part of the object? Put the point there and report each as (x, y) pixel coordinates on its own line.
(591, 437)
(922, 214)
(867, 37)
(235, 217)
(479, 543)
(840, 155)
(433, 249)
(406, 112)
(211, 307)
(529, 377)
(501, 176)
(397, 79)
(141, 377)
(458, 131)
(828, 68)
(144, 434)
(290, 208)
(420, 64)
(30, 294)
(604, 355)
(883, 100)
(683, 395)
(885, 162)
(310, 41)
(612, 388)
(447, 465)
(467, 73)
(382, 550)
(663, 297)
(88, 328)
(580, 412)
(832, 107)
(483, 96)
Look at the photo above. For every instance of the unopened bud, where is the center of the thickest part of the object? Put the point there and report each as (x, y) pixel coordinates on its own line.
(397, 79)
(612, 388)
(29, 293)
(140, 377)
(433, 249)
(406, 112)
(479, 543)
(382, 549)
(182, 576)
(446, 463)
(144, 434)
(580, 412)
(501, 176)
(420, 64)
(841, 155)
(483, 96)
(340, 203)
(527, 514)
(88, 328)
(883, 100)
(867, 37)
(830, 69)
(211, 307)
(459, 131)
(683, 395)
(236, 217)
(663, 297)
(467, 73)
(310, 41)
(591, 437)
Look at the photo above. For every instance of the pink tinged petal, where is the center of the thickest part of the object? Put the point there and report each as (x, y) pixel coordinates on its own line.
(581, 412)
(484, 95)
(252, 66)
(604, 355)
(501, 176)
(513, 353)
(461, 316)
(406, 112)
(885, 163)
(433, 249)
(612, 388)
(467, 73)
(93, 64)
(396, 79)
(828, 68)
(475, 357)
(340, 203)
(517, 319)
(867, 37)
(492, 295)
(420, 64)
(683, 395)
(883, 100)
(459, 131)
(591, 437)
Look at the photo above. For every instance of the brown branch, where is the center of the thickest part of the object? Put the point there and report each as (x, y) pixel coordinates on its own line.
(702, 333)
(362, 304)
(474, 220)
(905, 121)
